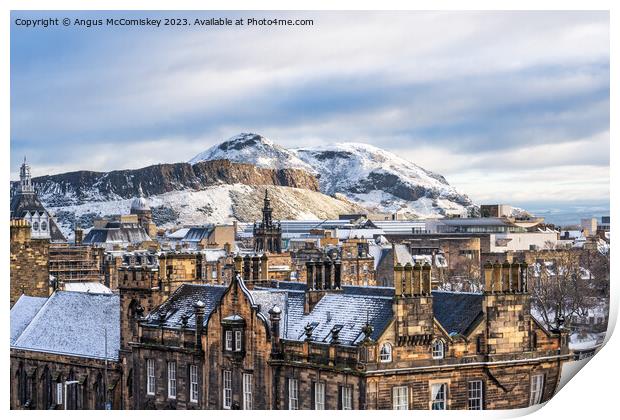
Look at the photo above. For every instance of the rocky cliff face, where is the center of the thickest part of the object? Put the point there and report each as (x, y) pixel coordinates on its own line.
(374, 178)
(85, 186)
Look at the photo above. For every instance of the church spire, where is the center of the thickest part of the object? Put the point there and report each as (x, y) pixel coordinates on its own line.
(25, 178)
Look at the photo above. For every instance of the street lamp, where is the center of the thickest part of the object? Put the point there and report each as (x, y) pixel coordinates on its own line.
(66, 396)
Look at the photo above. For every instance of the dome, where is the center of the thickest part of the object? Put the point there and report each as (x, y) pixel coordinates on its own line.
(139, 204)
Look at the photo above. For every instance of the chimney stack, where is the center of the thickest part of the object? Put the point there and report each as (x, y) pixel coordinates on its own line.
(199, 312)
(274, 317)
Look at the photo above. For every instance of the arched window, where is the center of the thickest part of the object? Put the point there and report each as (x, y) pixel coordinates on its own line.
(48, 389)
(35, 226)
(130, 384)
(438, 349)
(21, 385)
(99, 393)
(44, 226)
(386, 353)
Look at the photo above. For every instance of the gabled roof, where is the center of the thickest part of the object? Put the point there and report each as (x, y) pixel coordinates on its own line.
(22, 313)
(22, 203)
(75, 323)
(457, 311)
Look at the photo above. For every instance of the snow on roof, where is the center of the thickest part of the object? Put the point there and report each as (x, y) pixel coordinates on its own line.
(178, 234)
(22, 313)
(74, 323)
(86, 287)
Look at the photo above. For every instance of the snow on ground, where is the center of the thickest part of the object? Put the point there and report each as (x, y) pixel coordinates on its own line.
(218, 204)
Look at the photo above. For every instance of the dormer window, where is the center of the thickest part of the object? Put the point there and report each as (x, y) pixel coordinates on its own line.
(238, 335)
(385, 355)
(233, 332)
(229, 340)
(438, 349)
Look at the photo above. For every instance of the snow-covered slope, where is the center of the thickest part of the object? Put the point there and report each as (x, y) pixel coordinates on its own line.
(374, 178)
(215, 204)
(382, 181)
(254, 149)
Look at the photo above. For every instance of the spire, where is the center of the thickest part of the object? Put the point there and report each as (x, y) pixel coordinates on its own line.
(25, 178)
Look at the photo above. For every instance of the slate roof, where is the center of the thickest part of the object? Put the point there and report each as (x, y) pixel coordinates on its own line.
(197, 234)
(181, 302)
(73, 323)
(22, 313)
(457, 311)
(22, 203)
(117, 233)
(348, 310)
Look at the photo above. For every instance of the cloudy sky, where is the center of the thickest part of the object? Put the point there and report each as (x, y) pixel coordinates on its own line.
(508, 106)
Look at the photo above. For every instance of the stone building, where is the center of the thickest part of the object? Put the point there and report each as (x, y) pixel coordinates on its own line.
(29, 262)
(294, 347)
(25, 205)
(64, 352)
(267, 233)
(141, 209)
(357, 263)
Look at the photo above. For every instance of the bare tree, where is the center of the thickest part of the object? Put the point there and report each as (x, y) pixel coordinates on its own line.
(560, 286)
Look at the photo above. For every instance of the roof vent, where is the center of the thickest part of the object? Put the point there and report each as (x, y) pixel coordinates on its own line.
(329, 316)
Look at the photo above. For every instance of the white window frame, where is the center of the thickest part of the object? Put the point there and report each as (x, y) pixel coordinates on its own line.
(347, 397)
(227, 389)
(172, 380)
(537, 383)
(150, 377)
(238, 340)
(293, 394)
(319, 395)
(247, 391)
(475, 395)
(439, 389)
(439, 349)
(193, 383)
(229, 340)
(385, 357)
(59, 393)
(400, 398)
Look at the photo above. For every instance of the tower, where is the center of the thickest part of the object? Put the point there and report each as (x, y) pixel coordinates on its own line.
(506, 305)
(413, 304)
(25, 179)
(267, 234)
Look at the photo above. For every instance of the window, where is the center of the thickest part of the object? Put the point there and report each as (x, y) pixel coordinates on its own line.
(474, 395)
(386, 353)
(229, 340)
(400, 398)
(247, 391)
(193, 383)
(227, 389)
(438, 349)
(346, 397)
(238, 340)
(319, 396)
(150, 377)
(43, 226)
(35, 226)
(172, 380)
(293, 394)
(438, 396)
(58, 393)
(214, 273)
(536, 389)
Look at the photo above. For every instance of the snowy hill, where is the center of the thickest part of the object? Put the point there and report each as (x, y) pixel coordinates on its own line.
(254, 149)
(374, 178)
(382, 181)
(213, 204)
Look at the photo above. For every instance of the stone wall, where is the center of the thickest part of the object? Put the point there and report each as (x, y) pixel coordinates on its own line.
(29, 263)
